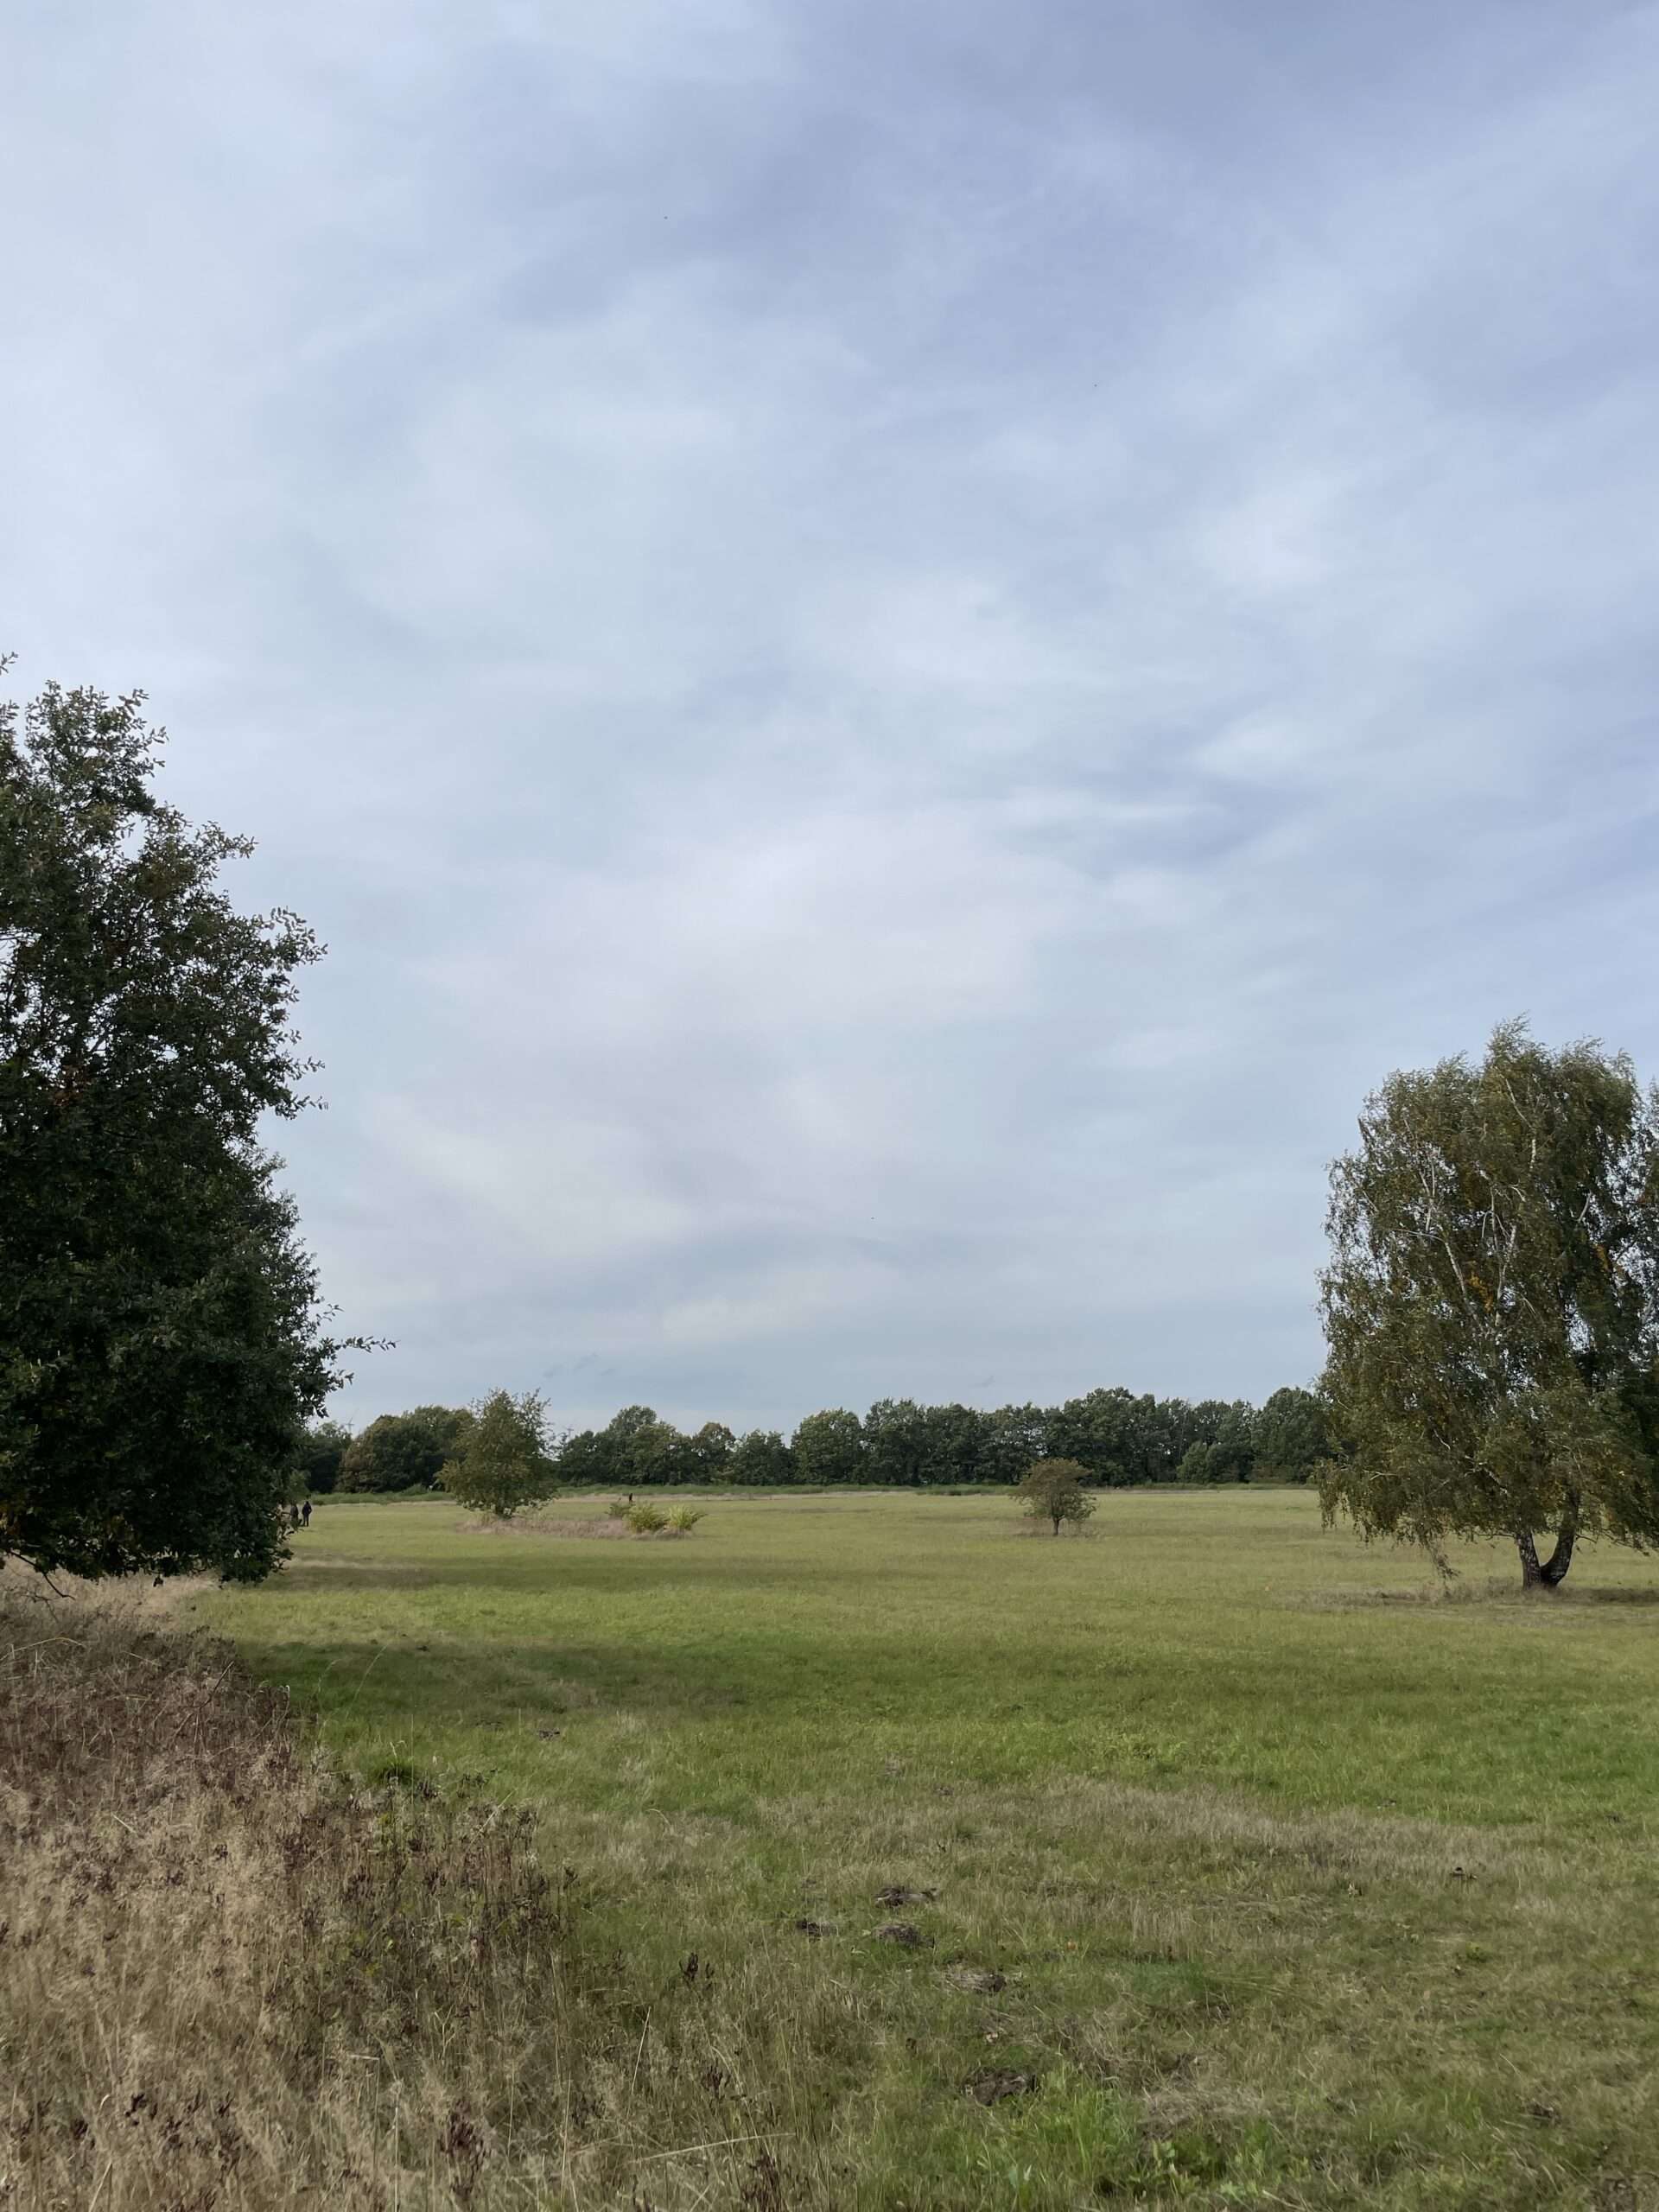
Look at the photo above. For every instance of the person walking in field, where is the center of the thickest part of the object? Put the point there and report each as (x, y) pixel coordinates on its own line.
(305, 1514)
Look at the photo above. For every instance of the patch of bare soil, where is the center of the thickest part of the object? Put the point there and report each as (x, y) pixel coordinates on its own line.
(978, 1981)
(990, 2089)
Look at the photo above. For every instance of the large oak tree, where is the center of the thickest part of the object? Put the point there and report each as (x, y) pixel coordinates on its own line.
(162, 1344)
(1491, 1305)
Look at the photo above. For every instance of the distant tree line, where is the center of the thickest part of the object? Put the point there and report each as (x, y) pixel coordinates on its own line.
(1117, 1438)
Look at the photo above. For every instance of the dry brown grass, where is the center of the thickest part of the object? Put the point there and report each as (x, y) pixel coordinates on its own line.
(230, 1980)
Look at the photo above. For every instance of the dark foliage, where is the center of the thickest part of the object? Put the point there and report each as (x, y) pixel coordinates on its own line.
(322, 1447)
(162, 1342)
(404, 1451)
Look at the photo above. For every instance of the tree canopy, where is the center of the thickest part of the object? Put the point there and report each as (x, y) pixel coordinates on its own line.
(1491, 1304)
(761, 1459)
(404, 1451)
(1117, 1436)
(829, 1448)
(322, 1448)
(161, 1340)
(1053, 1492)
(503, 1461)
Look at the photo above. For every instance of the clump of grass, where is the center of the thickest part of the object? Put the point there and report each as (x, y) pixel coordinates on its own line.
(645, 1519)
(684, 1518)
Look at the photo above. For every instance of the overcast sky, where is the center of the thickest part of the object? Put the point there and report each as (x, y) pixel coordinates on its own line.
(900, 648)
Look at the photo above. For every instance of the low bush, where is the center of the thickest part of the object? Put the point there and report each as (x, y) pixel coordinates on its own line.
(684, 1518)
(646, 1519)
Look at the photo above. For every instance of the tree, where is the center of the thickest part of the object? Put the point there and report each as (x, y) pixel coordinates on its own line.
(829, 1448)
(953, 1440)
(503, 1462)
(1203, 1422)
(1015, 1438)
(1195, 1464)
(1231, 1458)
(1491, 1305)
(762, 1460)
(1113, 1434)
(404, 1451)
(322, 1447)
(1053, 1492)
(639, 1447)
(162, 1345)
(896, 1443)
(1293, 1437)
(704, 1457)
(584, 1461)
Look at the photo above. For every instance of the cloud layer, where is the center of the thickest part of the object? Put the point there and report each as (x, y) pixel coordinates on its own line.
(900, 650)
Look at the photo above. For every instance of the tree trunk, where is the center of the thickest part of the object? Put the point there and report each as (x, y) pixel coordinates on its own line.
(1057, 1524)
(1548, 1574)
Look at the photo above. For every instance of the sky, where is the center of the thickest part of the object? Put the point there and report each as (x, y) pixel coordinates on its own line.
(899, 649)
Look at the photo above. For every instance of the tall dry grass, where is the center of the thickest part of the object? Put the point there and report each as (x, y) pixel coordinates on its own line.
(229, 1980)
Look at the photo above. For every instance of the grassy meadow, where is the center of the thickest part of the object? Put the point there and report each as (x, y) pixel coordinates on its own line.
(900, 1859)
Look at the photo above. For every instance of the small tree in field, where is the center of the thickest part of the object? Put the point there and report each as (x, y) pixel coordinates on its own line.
(504, 1461)
(1491, 1306)
(1053, 1492)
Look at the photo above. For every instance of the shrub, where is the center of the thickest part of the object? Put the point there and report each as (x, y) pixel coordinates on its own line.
(685, 1518)
(1053, 1492)
(645, 1519)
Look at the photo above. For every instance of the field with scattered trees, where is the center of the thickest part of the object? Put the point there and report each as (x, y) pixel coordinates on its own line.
(866, 1852)
(1126, 1800)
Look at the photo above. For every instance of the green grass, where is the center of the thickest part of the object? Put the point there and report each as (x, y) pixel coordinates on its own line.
(1304, 1885)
